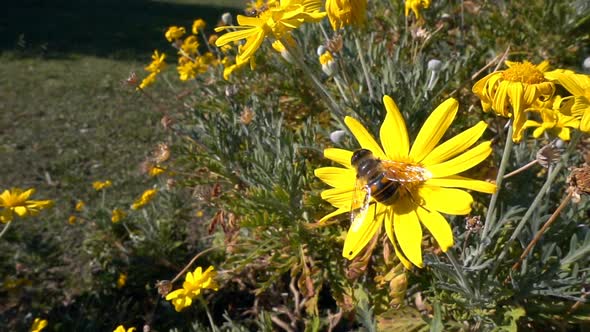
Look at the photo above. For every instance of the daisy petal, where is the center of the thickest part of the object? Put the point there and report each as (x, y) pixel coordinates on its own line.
(363, 231)
(446, 200)
(389, 231)
(433, 129)
(456, 181)
(408, 231)
(393, 133)
(336, 176)
(455, 145)
(462, 162)
(339, 197)
(333, 214)
(364, 138)
(340, 156)
(438, 226)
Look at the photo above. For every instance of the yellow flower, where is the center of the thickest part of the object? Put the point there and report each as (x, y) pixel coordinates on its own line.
(149, 80)
(122, 280)
(174, 32)
(156, 170)
(145, 198)
(117, 215)
(80, 206)
(187, 69)
(558, 119)
(121, 328)
(72, 219)
(415, 6)
(192, 286)
(157, 64)
(190, 45)
(16, 201)
(346, 12)
(277, 20)
(579, 86)
(198, 24)
(38, 325)
(418, 201)
(100, 185)
(520, 86)
(329, 66)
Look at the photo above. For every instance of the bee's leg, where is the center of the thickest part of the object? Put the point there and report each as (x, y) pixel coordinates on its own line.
(414, 200)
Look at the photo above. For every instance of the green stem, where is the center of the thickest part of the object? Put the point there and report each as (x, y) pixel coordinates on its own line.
(459, 271)
(357, 42)
(298, 57)
(5, 229)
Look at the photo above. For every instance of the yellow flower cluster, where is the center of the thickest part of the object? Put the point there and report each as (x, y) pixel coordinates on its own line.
(16, 201)
(154, 68)
(145, 198)
(194, 283)
(117, 215)
(526, 94)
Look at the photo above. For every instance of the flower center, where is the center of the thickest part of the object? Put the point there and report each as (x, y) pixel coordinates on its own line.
(523, 72)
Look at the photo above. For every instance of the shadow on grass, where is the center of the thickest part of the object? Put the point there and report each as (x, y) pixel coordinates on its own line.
(123, 29)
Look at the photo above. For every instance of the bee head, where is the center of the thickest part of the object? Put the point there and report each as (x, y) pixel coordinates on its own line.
(359, 155)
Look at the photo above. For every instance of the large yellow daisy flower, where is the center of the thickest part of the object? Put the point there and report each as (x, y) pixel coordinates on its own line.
(277, 20)
(417, 203)
(16, 202)
(346, 12)
(520, 86)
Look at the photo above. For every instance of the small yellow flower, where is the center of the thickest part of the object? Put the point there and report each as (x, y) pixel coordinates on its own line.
(100, 185)
(157, 64)
(38, 325)
(190, 45)
(174, 32)
(145, 198)
(80, 206)
(117, 215)
(72, 219)
(346, 12)
(193, 284)
(422, 200)
(16, 201)
(328, 64)
(121, 328)
(198, 25)
(520, 86)
(156, 170)
(277, 20)
(416, 6)
(122, 280)
(558, 119)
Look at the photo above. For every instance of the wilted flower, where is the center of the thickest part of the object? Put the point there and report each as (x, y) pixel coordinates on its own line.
(193, 284)
(346, 12)
(145, 198)
(38, 325)
(100, 185)
(16, 201)
(418, 201)
(174, 32)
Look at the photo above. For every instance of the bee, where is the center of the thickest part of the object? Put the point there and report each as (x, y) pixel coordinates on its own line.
(380, 180)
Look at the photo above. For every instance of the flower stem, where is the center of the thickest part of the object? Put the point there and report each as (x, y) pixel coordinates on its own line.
(6, 227)
(543, 229)
(459, 271)
(181, 273)
(298, 57)
(522, 169)
(357, 42)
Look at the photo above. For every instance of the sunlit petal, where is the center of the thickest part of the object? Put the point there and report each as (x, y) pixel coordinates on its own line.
(408, 231)
(438, 226)
(433, 129)
(364, 138)
(393, 133)
(456, 181)
(446, 200)
(340, 156)
(336, 176)
(462, 162)
(455, 145)
(362, 231)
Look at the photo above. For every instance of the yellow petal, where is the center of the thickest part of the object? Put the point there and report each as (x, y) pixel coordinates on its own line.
(393, 133)
(234, 36)
(339, 197)
(462, 162)
(433, 129)
(363, 232)
(455, 145)
(456, 181)
(408, 231)
(364, 138)
(438, 226)
(446, 200)
(389, 231)
(334, 213)
(340, 156)
(336, 176)
(21, 211)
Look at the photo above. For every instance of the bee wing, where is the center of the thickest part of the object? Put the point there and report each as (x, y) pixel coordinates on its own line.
(403, 172)
(360, 204)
